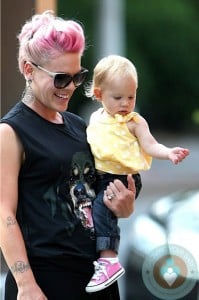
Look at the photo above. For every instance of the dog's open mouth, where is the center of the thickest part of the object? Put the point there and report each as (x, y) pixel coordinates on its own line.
(85, 213)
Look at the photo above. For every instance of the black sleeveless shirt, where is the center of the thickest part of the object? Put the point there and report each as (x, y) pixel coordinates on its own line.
(55, 185)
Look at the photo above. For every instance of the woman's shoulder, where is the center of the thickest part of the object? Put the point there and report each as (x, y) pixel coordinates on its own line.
(16, 109)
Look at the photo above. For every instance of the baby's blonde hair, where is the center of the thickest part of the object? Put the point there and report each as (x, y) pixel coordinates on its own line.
(108, 68)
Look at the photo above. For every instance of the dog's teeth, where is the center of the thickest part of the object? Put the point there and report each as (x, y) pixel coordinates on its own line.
(84, 205)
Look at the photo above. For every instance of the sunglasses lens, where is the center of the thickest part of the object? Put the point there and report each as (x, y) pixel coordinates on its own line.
(62, 80)
(80, 77)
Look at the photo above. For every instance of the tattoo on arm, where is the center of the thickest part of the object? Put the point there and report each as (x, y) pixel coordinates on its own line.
(20, 267)
(11, 221)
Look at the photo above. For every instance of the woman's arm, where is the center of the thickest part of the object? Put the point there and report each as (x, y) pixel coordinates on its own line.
(11, 240)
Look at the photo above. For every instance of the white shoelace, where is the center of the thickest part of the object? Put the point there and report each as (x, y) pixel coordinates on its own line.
(100, 268)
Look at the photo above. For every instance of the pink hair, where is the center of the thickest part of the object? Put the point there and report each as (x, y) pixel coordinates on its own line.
(46, 36)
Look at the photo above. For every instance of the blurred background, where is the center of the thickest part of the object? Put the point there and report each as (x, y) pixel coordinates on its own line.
(161, 38)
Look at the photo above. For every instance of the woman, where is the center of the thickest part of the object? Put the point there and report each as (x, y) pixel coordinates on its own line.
(47, 186)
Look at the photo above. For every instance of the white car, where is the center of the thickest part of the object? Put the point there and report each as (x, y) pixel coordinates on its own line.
(171, 220)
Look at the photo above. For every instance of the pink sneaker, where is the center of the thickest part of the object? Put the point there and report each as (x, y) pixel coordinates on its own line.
(105, 274)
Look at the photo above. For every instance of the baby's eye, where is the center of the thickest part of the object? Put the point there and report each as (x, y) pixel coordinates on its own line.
(117, 97)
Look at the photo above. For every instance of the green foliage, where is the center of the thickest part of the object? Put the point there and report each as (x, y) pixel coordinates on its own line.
(163, 42)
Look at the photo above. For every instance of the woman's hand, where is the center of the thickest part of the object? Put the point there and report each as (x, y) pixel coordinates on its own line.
(30, 292)
(119, 199)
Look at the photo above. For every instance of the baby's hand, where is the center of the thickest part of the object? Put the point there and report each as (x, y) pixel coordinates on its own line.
(177, 154)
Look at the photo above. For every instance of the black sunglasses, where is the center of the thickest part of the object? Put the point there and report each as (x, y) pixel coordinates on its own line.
(61, 80)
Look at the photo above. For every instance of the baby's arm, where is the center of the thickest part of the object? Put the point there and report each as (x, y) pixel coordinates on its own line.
(155, 149)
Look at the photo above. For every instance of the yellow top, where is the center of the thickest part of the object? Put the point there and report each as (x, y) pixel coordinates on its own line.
(115, 149)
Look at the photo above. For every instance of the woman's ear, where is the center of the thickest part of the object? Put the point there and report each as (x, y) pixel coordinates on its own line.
(27, 70)
(98, 93)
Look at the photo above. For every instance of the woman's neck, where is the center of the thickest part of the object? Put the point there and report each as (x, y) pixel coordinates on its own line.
(42, 110)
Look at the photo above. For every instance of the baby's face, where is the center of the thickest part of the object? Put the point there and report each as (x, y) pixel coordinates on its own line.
(119, 96)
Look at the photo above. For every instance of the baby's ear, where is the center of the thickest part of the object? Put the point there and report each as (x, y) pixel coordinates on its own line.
(98, 93)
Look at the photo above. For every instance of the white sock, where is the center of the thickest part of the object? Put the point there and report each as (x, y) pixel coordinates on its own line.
(112, 260)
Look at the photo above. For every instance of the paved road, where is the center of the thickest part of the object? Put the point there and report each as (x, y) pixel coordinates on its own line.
(164, 178)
